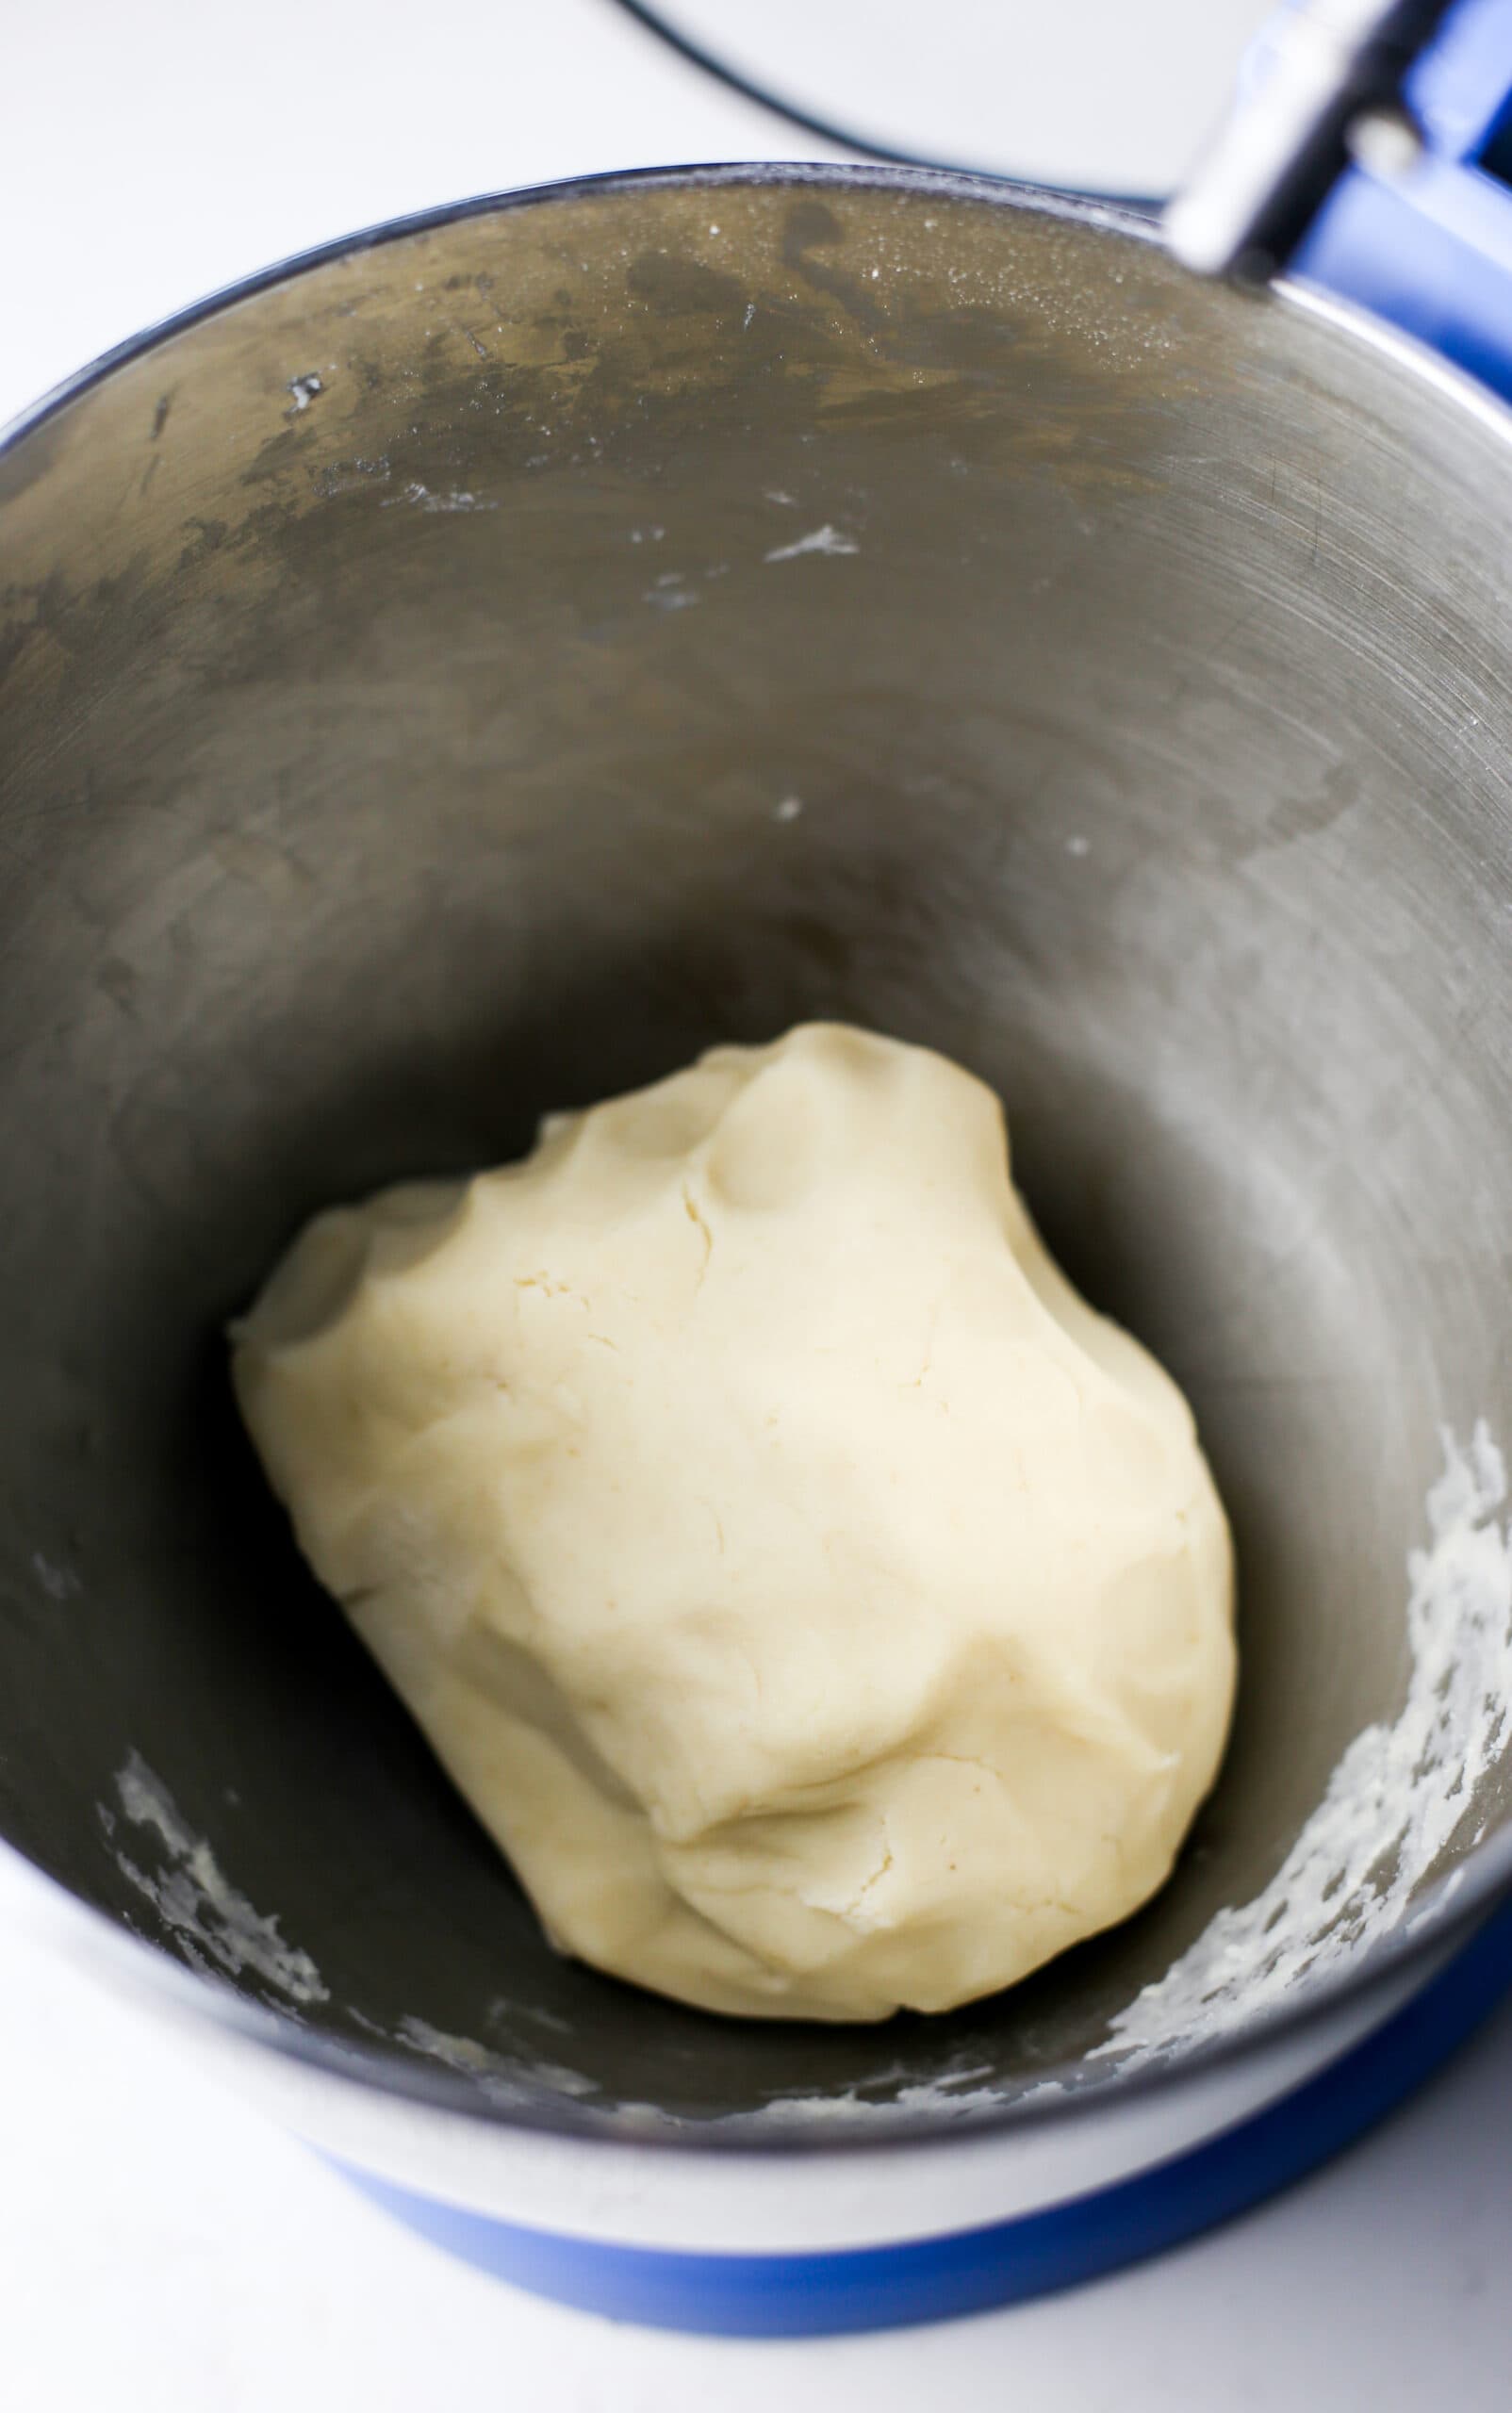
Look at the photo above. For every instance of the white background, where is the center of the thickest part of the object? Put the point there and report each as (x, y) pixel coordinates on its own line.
(162, 2250)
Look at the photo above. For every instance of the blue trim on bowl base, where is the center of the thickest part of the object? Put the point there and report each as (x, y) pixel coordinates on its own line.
(885, 2287)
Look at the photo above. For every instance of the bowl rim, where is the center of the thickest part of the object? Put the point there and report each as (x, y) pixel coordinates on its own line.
(1448, 1910)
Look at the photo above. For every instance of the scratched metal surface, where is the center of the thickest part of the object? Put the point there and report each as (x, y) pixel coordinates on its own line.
(473, 674)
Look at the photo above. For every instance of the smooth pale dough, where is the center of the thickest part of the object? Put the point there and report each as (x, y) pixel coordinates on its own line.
(824, 1608)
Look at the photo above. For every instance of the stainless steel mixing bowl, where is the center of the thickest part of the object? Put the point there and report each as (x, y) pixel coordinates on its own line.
(468, 673)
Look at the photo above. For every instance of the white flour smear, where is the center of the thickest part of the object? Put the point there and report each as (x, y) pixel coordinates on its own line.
(214, 1925)
(504, 2081)
(1393, 1801)
(945, 2098)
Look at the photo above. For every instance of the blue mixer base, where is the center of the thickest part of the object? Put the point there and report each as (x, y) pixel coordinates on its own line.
(812, 2294)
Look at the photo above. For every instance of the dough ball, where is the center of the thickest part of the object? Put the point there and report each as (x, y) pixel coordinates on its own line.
(821, 1606)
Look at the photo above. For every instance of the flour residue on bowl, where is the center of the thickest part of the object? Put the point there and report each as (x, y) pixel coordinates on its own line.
(954, 2095)
(1393, 1802)
(827, 539)
(217, 1928)
(510, 2083)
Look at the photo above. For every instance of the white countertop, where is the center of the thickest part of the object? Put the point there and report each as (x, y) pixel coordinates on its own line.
(165, 2250)
(162, 2250)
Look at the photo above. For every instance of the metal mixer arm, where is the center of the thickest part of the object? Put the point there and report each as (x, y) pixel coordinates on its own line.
(1369, 153)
